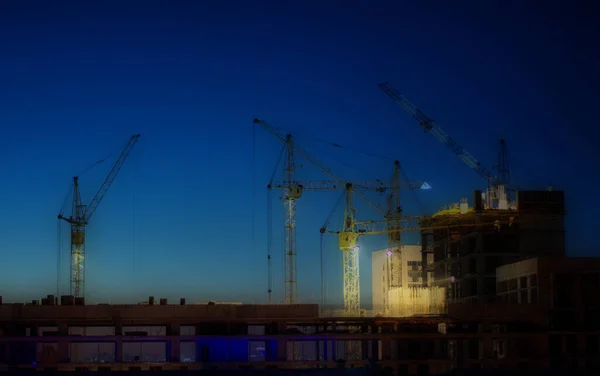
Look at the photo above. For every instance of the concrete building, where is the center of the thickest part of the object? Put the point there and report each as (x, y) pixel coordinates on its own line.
(568, 290)
(466, 245)
(195, 337)
(411, 297)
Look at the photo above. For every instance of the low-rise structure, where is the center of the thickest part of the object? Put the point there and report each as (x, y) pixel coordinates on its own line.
(177, 337)
(568, 290)
(411, 297)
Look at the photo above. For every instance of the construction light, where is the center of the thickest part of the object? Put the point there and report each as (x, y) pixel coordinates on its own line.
(389, 252)
(356, 248)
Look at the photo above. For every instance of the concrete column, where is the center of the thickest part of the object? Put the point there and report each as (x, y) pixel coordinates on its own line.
(579, 307)
(174, 329)
(333, 352)
(386, 349)
(63, 343)
(118, 326)
(437, 349)
(488, 346)
(118, 351)
(374, 349)
(581, 350)
(281, 342)
(174, 350)
(282, 349)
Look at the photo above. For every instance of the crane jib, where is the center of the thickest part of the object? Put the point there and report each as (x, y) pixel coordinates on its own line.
(430, 126)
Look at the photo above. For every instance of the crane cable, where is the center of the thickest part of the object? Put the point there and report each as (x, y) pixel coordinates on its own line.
(58, 254)
(253, 193)
(322, 255)
(340, 146)
(116, 151)
(416, 199)
(133, 200)
(269, 246)
(321, 250)
(59, 239)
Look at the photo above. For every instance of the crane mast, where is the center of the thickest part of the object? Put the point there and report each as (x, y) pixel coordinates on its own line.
(293, 189)
(393, 218)
(350, 251)
(351, 230)
(291, 193)
(496, 195)
(80, 217)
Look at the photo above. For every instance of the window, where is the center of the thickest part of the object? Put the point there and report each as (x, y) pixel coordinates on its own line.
(523, 282)
(491, 263)
(521, 290)
(472, 245)
(502, 287)
(472, 265)
(533, 295)
(533, 280)
(523, 296)
(563, 289)
(489, 286)
(499, 348)
(473, 287)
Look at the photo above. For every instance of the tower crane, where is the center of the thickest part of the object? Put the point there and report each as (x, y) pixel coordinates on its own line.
(292, 191)
(348, 238)
(80, 217)
(496, 196)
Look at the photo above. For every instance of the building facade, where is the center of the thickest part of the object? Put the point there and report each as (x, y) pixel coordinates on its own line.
(190, 337)
(568, 290)
(411, 298)
(468, 244)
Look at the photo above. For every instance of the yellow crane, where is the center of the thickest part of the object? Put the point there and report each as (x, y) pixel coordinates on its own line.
(80, 217)
(292, 191)
(351, 230)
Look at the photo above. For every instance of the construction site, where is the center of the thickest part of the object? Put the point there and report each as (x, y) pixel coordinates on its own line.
(440, 304)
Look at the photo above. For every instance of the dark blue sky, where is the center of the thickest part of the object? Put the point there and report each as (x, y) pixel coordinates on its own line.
(78, 78)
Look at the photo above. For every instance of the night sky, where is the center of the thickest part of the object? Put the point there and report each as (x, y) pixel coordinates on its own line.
(186, 217)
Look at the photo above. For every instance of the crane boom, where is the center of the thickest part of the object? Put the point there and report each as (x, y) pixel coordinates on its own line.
(110, 178)
(315, 162)
(430, 126)
(365, 185)
(423, 224)
(80, 217)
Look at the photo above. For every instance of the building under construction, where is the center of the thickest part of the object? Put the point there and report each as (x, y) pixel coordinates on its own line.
(463, 245)
(411, 297)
